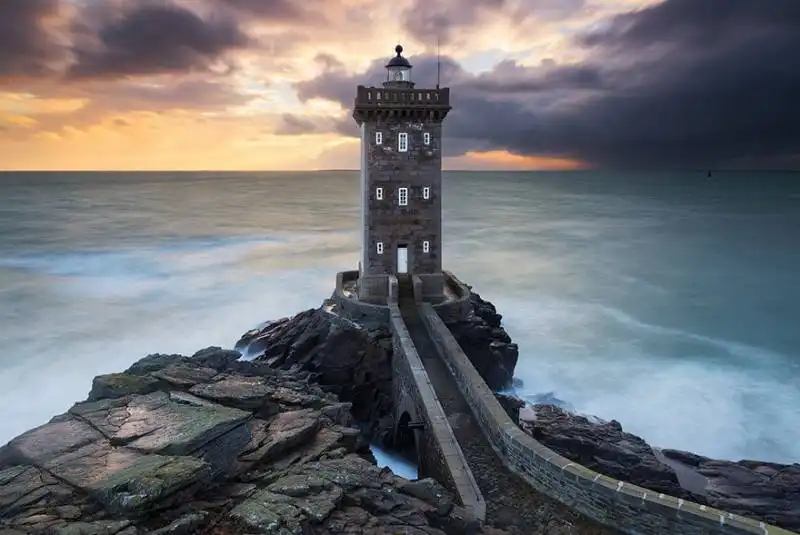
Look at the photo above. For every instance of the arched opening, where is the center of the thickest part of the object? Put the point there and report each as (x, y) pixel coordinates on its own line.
(405, 442)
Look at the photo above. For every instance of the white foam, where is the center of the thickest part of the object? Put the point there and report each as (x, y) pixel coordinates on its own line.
(728, 400)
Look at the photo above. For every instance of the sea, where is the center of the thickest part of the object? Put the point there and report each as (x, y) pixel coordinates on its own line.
(666, 301)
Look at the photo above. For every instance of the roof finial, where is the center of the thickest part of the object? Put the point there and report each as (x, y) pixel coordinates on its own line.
(399, 50)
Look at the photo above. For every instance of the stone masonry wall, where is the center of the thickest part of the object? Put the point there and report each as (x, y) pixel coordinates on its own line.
(440, 455)
(457, 309)
(420, 220)
(360, 311)
(353, 308)
(624, 506)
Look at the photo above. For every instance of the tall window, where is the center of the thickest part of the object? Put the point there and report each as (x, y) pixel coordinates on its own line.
(402, 142)
(426, 193)
(402, 196)
(379, 138)
(380, 247)
(427, 138)
(426, 246)
(379, 194)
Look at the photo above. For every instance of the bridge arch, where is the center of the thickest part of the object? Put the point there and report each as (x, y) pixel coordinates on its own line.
(406, 438)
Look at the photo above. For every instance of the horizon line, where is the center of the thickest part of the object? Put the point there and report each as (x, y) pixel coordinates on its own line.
(243, 171)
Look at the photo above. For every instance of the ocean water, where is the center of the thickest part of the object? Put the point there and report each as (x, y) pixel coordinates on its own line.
(666, 301)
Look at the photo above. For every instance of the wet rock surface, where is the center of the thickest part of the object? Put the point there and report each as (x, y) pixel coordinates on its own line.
(763, 491)
(210, 445)
(486, 343)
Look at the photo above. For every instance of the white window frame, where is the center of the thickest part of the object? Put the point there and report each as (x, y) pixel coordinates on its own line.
(379, 138)
(426, 192)
(379, 194)
(402, 142)
(427, 138)
(402, 196)
(426, 246)
(379, 247)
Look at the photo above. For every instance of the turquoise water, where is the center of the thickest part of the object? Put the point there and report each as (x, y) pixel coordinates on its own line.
(667, 302)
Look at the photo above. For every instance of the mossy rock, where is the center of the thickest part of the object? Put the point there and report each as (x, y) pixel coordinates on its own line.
(117, 385)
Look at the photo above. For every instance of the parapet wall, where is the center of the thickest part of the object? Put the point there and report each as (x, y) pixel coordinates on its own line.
(353, 308)
(621, 505)
(440, 456)
(455, 309)
(450, 310)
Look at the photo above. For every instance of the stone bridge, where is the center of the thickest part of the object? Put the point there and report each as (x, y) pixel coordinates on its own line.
(465, 439)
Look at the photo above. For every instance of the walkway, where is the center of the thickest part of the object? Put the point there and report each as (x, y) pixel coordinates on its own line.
(511, 503)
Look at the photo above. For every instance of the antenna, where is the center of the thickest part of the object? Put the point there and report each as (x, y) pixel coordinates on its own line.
(438, 63)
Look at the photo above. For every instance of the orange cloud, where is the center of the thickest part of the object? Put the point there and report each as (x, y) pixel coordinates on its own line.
(505, 160)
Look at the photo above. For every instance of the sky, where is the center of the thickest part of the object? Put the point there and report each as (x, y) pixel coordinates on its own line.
(269, 84)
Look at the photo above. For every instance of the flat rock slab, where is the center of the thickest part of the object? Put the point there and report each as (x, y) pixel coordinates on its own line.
(22, 487)
(122, 479)
(185, 375)
(285, 431)
(159, 422)
(239, 391)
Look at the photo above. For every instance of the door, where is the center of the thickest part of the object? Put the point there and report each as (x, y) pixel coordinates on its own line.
(402, 259)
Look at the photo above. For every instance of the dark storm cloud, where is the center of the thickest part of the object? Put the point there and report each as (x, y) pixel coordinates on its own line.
(26, 48)
(155, 38)
(681, 84)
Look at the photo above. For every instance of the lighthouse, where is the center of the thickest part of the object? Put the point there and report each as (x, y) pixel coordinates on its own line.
(401, 182)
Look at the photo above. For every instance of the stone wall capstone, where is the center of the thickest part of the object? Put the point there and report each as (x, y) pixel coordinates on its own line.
(440, 456)
(621, 505)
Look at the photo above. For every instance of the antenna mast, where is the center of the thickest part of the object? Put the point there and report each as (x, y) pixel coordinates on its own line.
(438, 63)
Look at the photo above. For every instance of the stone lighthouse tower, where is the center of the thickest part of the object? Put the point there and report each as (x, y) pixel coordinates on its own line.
(401, 182)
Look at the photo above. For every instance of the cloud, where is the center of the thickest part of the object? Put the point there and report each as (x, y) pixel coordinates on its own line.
(681, 84)
(448, 19)
(280, 10)
(156, 38)
(26, 47)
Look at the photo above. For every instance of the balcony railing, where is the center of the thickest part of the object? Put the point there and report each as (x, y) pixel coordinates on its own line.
(379, 96)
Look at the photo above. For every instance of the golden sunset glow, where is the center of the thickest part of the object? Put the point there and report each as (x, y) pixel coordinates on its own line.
(249, 84)
(506, 160)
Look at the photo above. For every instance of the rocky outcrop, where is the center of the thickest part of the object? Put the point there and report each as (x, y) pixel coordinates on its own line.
(759, 490)
(353, 360)
(486, 343)
(210, 445)
(346, 358)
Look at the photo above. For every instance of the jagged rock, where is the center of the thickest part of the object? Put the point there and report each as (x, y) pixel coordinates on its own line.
(220, 446)
(603, 447)
(354, 360)
(763, 491)
(486, 343)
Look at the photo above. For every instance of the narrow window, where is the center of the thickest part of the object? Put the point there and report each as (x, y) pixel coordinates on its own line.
(427, 137)
(426, 193)
(379, 138)
(402, 142)
(380, 247)
(379, 194)
(377, 96)
(402, 196)
(426, 246)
